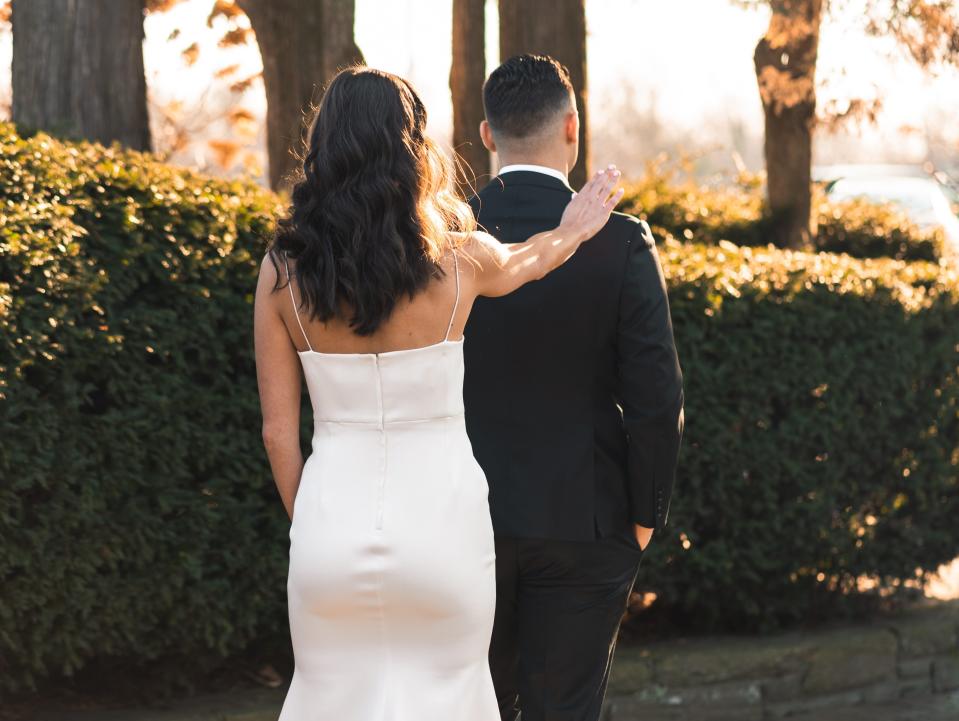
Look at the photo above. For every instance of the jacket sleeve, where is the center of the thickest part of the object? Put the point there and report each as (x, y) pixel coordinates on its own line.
(649, 383)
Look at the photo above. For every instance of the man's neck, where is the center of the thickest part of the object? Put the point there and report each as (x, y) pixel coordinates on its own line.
(559, 167)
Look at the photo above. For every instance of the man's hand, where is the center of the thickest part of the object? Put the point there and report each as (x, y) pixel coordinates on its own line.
(643, 535)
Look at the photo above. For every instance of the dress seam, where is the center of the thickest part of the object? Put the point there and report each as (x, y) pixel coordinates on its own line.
(384, 447)
(380, 424)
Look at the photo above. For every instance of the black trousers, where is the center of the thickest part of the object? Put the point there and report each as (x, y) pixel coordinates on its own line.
(558, 609)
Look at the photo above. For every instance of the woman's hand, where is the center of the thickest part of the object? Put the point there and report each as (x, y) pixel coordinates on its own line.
(643, 535)
(590, 208)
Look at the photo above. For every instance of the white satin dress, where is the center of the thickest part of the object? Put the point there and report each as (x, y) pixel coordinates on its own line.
(391, 585)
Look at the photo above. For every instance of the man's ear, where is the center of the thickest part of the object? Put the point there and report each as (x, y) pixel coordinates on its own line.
(571, 126)
(486, 134)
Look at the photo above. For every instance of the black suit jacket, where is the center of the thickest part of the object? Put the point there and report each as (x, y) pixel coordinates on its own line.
(573, 391)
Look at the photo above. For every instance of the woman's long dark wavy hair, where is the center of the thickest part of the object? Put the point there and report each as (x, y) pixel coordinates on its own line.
(372, 214)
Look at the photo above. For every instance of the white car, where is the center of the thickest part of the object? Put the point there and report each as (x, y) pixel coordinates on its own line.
(923, 200)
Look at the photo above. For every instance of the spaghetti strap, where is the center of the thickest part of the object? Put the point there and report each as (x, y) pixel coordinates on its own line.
(456, 270)
(289, 284)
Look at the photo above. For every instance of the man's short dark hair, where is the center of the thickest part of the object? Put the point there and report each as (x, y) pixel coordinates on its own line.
(524, 93)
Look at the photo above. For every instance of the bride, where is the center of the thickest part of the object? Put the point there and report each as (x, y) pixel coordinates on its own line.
(366, 289)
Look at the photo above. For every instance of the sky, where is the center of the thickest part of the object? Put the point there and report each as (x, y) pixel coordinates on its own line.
(662, 75)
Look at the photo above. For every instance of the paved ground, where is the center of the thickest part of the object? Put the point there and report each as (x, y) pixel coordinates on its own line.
(942, 707)
(261, 704)
(264, 705)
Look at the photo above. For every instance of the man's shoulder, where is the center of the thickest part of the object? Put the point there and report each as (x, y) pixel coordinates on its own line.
(492, 188)
(474, 201)
(630, 229)
(621, 227)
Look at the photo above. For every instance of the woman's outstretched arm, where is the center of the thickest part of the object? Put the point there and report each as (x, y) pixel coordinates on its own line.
(502, 268)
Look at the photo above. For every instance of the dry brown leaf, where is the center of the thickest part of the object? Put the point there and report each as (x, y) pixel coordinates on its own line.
(228, 70)
(223, 8)
(191, 54)
(225, 151)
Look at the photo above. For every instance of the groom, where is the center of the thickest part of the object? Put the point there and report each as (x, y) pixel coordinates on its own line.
(574, 406)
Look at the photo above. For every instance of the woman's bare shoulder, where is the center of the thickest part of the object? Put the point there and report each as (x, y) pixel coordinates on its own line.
(464, 238)
(478, 245)
(272, 275)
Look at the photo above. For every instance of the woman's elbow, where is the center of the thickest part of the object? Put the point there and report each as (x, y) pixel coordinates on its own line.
(277, 437)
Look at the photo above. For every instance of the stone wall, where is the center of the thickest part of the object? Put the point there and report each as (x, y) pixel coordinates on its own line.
(772, 677)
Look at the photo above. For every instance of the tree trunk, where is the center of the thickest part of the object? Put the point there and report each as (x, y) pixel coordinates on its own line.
(556, 28)
(78, 69)
(785, 61)
(467, 75)
(303, 44)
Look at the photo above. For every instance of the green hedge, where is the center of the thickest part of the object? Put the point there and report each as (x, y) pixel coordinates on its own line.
(138, 519)
(687, 211)
(139, 523)
(822, 438)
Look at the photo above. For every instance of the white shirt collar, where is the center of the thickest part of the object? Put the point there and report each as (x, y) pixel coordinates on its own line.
(536, 169)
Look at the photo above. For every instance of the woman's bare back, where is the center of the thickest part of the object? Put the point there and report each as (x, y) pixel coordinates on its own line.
(416, 323)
